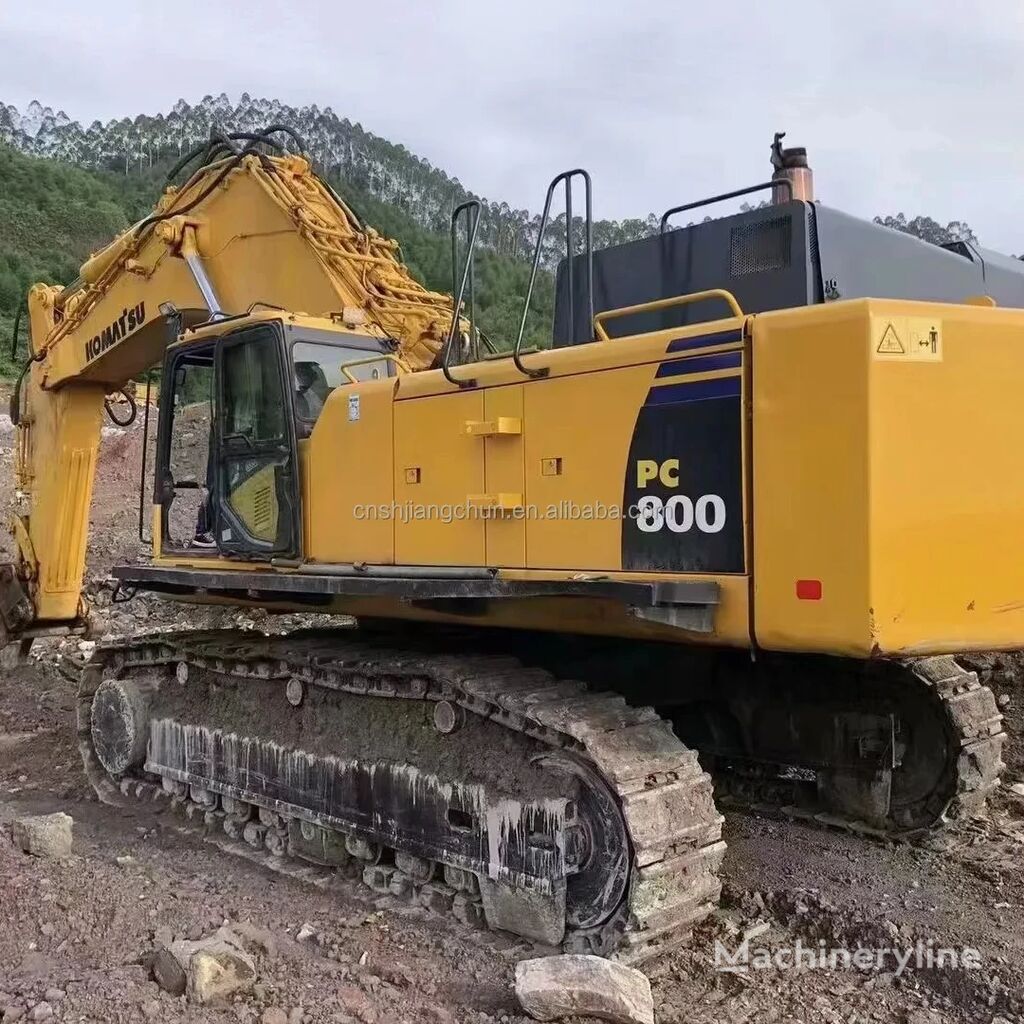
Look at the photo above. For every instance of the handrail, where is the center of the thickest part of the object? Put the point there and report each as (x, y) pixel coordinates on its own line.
(570, 240)
(468, 275)
(402, 365)
(653, 307)
(785, 182)
(142, 471)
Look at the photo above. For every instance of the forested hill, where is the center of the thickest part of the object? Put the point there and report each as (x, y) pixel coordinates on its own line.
(65, 189)
(54, 214)
(339, 148)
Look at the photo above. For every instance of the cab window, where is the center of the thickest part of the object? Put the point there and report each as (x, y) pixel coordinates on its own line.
(252, 393)
(317, 371)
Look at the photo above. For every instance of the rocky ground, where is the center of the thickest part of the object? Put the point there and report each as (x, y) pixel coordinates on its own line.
(77, 936)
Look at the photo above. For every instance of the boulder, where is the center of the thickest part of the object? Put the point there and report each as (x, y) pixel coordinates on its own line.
(217, 971)
(208, 971)
(553, 987)
(44, 835)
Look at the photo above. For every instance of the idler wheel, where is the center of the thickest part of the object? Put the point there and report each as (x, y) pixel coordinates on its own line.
(599, 846)
(119, 725)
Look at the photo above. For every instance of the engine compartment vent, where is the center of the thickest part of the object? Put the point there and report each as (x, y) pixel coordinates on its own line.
(754, 248)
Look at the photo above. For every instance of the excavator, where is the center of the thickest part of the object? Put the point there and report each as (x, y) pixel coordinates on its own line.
(720, 544)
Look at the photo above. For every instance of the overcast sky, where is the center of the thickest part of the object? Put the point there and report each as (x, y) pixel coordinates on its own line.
(912, 106)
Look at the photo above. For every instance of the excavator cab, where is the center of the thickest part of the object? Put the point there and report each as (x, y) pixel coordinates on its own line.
(244, 394)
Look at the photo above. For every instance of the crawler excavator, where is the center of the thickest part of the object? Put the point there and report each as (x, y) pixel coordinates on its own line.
(762, 489)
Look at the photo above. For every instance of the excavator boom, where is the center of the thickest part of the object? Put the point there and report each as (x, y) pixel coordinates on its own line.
(246, 230)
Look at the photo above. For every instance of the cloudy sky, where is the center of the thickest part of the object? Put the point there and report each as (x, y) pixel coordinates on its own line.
(902, 105)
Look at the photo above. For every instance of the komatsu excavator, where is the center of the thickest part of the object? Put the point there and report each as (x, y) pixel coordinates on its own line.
(765, 485)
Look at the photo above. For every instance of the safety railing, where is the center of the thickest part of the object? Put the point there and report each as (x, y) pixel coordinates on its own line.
(401, 364)
(471, 210)
(762, 187)
(658, 304)
(570, 254)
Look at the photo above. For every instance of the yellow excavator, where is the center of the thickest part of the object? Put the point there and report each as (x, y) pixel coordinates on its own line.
(761, 490)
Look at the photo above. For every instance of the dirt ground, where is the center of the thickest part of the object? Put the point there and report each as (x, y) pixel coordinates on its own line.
(76, 937)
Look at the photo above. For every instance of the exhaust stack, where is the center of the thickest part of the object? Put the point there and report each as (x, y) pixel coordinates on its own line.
(791, 165)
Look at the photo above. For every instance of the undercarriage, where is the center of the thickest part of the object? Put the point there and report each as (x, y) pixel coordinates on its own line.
(512, 795)
(519, 801)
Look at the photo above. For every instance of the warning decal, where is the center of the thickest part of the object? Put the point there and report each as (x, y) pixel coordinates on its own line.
(914, 339)
(890, 343)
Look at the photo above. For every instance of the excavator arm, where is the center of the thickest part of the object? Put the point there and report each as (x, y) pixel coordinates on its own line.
(246, 229)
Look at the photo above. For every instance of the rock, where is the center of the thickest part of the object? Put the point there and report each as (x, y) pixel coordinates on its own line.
(13, 1013)
(274, 1015)
(207, 971)
(54, 995)
(307, 931)
(124, 861)
(296, 1015)
(41, 1011)
(151, 1009)
(563, 986)
(1003, 701)
(44, 835)
(1017, 788)
(168, 972)
(217, 971)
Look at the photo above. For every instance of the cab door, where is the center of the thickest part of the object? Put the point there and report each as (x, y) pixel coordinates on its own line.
(257, 509)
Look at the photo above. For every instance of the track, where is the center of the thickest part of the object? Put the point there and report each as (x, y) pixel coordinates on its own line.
(886, 747)
(468, 783)
(941, 764)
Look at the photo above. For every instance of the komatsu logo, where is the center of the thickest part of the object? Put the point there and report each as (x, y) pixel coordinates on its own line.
(129, 320)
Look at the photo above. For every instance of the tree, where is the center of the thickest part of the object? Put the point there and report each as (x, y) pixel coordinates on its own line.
(930, 230)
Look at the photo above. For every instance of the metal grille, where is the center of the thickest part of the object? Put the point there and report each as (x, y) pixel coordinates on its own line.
(754, 248)
(263, 510)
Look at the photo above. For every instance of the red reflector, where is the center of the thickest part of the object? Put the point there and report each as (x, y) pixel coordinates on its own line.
(808, 590)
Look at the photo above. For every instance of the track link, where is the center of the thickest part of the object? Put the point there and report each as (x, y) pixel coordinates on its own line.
(663, 796)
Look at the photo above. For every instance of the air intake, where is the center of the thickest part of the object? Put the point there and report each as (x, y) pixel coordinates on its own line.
(755, 248)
